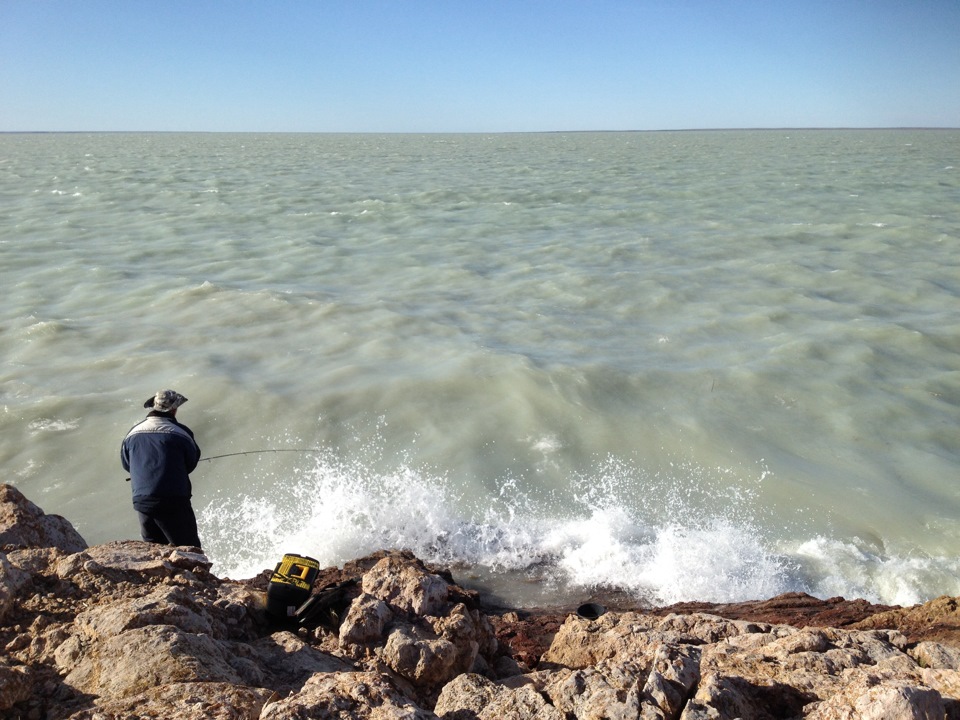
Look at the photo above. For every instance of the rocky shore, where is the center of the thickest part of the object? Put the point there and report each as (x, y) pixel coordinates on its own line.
(134, 630)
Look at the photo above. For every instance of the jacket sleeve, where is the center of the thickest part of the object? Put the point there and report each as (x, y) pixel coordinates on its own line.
(193, 458)
(124, 458)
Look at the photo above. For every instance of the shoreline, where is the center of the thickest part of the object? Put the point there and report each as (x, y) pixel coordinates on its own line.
(128, 628)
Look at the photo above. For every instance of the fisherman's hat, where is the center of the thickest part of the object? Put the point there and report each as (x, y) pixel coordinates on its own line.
(165, 401)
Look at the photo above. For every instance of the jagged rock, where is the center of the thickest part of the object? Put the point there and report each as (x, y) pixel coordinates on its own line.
(132, 629)
(595, 693)
(364, 621)
(24, 525)
(793, 608)
(472, 697)
(131, 561)
(937, 620)
(291, 662)
(403, 617)
(16, 684)
(185, 701)
(872, 697)
(406, 585)
(936, 656)
(465, 697)
(12, 582)
(356, 695)
(134, 661)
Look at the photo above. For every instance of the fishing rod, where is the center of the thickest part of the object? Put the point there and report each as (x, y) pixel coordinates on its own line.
(258, 452)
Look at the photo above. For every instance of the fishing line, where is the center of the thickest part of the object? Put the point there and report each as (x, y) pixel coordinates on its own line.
(258, 452)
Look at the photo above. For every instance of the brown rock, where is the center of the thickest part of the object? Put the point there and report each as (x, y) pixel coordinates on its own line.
(354, 695)
(16, 684)
(189, 701)
(142, 658)
(24, 525)
(130, 629)
(796, 608)
(937, 620)
(407, 585)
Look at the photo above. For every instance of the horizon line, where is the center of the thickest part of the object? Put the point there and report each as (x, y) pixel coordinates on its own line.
(471, 132)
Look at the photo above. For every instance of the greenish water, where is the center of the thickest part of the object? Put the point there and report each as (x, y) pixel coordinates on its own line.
(697, 365)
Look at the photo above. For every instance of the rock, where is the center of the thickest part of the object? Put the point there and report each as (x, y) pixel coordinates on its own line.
(465, 697)
(16, 684)
(471, 697)
(290, 661)
(12, 582)
(24, 525)
(132, 629)
(189, 701)
(795, 608)
(130, 561)
(872, 697)
(406, 585)
(354, 695)
(934, 655)
(365, 621)
(937, 620)
(404, 619)
(145, 657)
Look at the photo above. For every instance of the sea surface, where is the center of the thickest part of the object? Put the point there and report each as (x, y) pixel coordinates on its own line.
(684, 365)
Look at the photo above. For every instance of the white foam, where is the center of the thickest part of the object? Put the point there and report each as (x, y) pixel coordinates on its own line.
(336, 512)
(854, 569)
(53, 425)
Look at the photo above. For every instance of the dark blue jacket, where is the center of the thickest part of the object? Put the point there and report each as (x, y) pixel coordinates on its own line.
(159, 453)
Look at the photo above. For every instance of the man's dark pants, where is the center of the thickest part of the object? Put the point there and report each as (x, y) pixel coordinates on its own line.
(170, 526)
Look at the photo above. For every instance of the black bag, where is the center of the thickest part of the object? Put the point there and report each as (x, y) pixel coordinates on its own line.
(326, 606)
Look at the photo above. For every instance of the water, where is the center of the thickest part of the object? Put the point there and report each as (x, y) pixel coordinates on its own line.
(691, 366)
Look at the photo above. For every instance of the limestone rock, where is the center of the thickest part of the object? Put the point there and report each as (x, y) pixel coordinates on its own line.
(873, 697)
(406, 585)
(364, 621)
(16, 684)
(185, 701)
(937, 620)
(290, 661)
(134, 661)
(472, 697)
(131, 629)
(404, 619)
(24, 525)
(354, 696)
(12, 582)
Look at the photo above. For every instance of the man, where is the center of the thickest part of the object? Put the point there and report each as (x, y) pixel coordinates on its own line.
(160, 453)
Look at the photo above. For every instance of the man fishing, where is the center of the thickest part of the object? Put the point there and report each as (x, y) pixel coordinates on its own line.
(160, 453)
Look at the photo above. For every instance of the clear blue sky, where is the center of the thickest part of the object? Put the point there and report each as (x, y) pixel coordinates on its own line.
(476, 66)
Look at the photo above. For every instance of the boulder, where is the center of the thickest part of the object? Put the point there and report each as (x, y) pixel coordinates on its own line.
(185, 701)
(406, 585)
(134, 661)
(24, 525)
(347, 695)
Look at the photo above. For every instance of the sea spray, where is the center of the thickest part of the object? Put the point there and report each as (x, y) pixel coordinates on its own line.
(670, 549)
